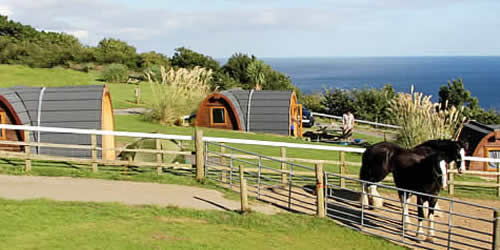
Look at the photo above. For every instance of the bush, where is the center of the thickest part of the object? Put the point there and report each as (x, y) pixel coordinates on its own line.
(312, 102)
(180, 93)
(422, 120)
(115, 73)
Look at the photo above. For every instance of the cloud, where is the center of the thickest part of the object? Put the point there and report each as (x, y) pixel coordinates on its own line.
(271, 27)
(5, 10)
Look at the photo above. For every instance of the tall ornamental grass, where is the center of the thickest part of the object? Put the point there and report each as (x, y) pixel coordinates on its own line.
(178, 92)
(421, 119)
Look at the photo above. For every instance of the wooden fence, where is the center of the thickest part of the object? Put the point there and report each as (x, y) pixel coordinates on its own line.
(199, 140)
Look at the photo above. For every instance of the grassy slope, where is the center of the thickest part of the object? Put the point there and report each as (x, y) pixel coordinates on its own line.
(123, 96)
(41, 224)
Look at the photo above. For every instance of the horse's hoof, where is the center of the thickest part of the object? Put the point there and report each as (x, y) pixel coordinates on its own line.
(429, 239)
(378, 202)
(419, 237)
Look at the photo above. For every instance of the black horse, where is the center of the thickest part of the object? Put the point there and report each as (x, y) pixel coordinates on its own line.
(422, 169)
(377, 162)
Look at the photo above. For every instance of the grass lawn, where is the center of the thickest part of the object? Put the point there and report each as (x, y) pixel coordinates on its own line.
(122, 95)
(43, 224)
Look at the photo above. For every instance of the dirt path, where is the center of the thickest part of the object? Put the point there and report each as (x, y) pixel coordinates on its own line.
(132, 193)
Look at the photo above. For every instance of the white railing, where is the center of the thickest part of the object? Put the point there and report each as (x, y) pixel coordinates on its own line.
(357, 120)
(207, 139)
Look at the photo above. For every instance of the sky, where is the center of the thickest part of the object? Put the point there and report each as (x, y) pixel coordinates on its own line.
(276, 28)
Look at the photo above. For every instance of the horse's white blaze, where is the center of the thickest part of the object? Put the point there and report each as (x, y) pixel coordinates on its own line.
(462, 162)
(444, 178)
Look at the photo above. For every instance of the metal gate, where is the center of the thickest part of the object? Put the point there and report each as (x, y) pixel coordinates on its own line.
(461, 225)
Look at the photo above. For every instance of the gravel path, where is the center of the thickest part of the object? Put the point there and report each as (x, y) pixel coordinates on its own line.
(132, 193)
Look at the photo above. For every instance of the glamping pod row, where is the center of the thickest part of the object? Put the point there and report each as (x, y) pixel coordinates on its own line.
(481, 141)
(251, 110)
(84, 107)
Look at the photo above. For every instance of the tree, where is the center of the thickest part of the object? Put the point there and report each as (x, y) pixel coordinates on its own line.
(186, 58)
(454, 93)
(457, 96)
(151, 58)
(337, 101)
(256, 72)
(237, 65)
(111, 50)
(371, 104)
(313, 102)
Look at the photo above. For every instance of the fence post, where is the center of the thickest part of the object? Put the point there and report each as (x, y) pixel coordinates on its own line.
(223, 173)
(243, 190)
(320, 190)
(496, 230)
(283, 165)
(93, 141)
(342, 169)
(137, 95)
(159, 157)
(27, 150)
(498, 180)
(200, 164)
(451, 179)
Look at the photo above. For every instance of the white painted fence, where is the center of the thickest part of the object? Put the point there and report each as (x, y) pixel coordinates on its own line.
(357, 120)
(207, 139)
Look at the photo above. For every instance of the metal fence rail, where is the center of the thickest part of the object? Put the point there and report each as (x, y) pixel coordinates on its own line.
(269, 179)
(461, 225)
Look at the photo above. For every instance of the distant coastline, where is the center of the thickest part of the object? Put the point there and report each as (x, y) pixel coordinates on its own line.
(481, 74)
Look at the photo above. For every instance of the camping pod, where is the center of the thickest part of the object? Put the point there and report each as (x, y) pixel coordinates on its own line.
(266, 111)
(481, 141)
(83, 107)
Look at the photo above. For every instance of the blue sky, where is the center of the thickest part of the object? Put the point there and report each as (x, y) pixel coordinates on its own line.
(276, 28)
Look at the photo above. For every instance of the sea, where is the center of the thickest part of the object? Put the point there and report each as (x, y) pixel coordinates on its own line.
(481, 75)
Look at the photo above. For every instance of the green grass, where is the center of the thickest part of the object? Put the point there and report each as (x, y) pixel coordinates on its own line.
(122, 95)
(14, 75)
(43, 224)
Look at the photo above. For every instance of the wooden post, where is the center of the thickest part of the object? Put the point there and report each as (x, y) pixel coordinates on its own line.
(243, 190)
(496, 230)
(137, 95)
(159, 158)
(498, 179)
(223, 174)
(451, 179)
(320, 190)
(93, 141)
(27, 150)
(283, 165)
(200, 164)
(342, 169)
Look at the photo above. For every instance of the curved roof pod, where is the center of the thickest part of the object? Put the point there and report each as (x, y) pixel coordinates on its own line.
(482, 141)
(8, 115)
(266, 111)
(85, 107)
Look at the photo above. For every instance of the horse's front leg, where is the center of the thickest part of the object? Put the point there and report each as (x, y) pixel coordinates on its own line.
(364, 196)
(377, 200)
(421, 216)
(432, 206)
(405, 199)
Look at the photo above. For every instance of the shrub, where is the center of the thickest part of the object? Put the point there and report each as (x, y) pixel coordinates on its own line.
(422, 120)
(178, 93)
(115, 73)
